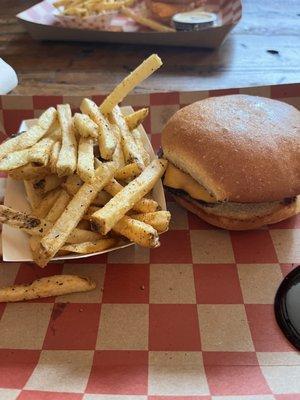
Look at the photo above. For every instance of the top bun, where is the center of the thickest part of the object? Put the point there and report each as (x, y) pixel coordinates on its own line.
(241, 148)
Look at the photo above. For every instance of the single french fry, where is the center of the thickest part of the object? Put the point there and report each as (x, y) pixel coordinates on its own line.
(118, 156)
(15, 160)
(55, 285)
(58, 234)
(31, 136)
(58, 207)
(25, 222)
(90, 247)
(33, 196)
(47, 184)
(79, 235)
(54, 156)
(142, 72)
(67, 159)
(38, 226)
(123, 201)
(30, 171)
(130, 171)
(134, 119)
(143, 206)
(40, 152)
(55, 132)
(72, 184)
(85, 126)
(106, 139)
(85, 163)
(159, 220)
(137, 231)
(129, 146)
(46, 203)
(140, 145)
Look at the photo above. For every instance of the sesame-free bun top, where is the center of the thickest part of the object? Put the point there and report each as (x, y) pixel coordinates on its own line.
(241, 148)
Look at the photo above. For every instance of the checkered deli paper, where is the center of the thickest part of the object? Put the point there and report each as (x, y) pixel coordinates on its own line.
(192, 319)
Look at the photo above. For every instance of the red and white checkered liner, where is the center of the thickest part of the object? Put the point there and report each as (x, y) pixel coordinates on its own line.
(192, 319)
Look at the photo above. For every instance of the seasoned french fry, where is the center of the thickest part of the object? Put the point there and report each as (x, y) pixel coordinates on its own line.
(55, 285)
(33, 196)
(72, 184)
(23, 221)
(79, 235)
(128, 172)
(58, 234)
(31, 136)
(47, 184)
(143, 206)
(54, 156)
(90, 247)
(149, 23)
(85, 163)
(129, 146)
(40, 152)
(140, 145)
(55, 132)
(30, 171)
(67, 159)
(123, 201)
(118, 156)
(46, 203)
(159, 220)
(106, 139)
(15, 160)
(142, 72)
(137, 231)
(85, 126)
(38, 227)
(134, 119)
(58, 207)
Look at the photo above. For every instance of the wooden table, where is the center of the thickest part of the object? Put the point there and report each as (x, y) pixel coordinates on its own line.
(84, 69)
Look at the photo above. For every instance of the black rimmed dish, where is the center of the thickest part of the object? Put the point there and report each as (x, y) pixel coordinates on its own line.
(287, 307)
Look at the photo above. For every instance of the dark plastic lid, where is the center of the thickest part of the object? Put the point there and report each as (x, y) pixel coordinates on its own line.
(287, 307)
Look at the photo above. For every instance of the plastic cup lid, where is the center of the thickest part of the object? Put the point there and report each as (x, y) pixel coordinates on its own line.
(195, 17)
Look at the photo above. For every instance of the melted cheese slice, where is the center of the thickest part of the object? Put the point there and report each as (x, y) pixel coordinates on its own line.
(177, 179)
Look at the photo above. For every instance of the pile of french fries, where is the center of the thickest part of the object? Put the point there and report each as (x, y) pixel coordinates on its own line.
(84, 8)
(88, 178)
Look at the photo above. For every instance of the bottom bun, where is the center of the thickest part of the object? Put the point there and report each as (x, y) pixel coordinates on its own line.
(279, 213)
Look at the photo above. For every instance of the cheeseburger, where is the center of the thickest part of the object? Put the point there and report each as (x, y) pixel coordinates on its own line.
(235, 160)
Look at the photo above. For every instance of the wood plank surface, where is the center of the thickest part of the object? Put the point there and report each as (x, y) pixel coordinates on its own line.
(85, 68)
